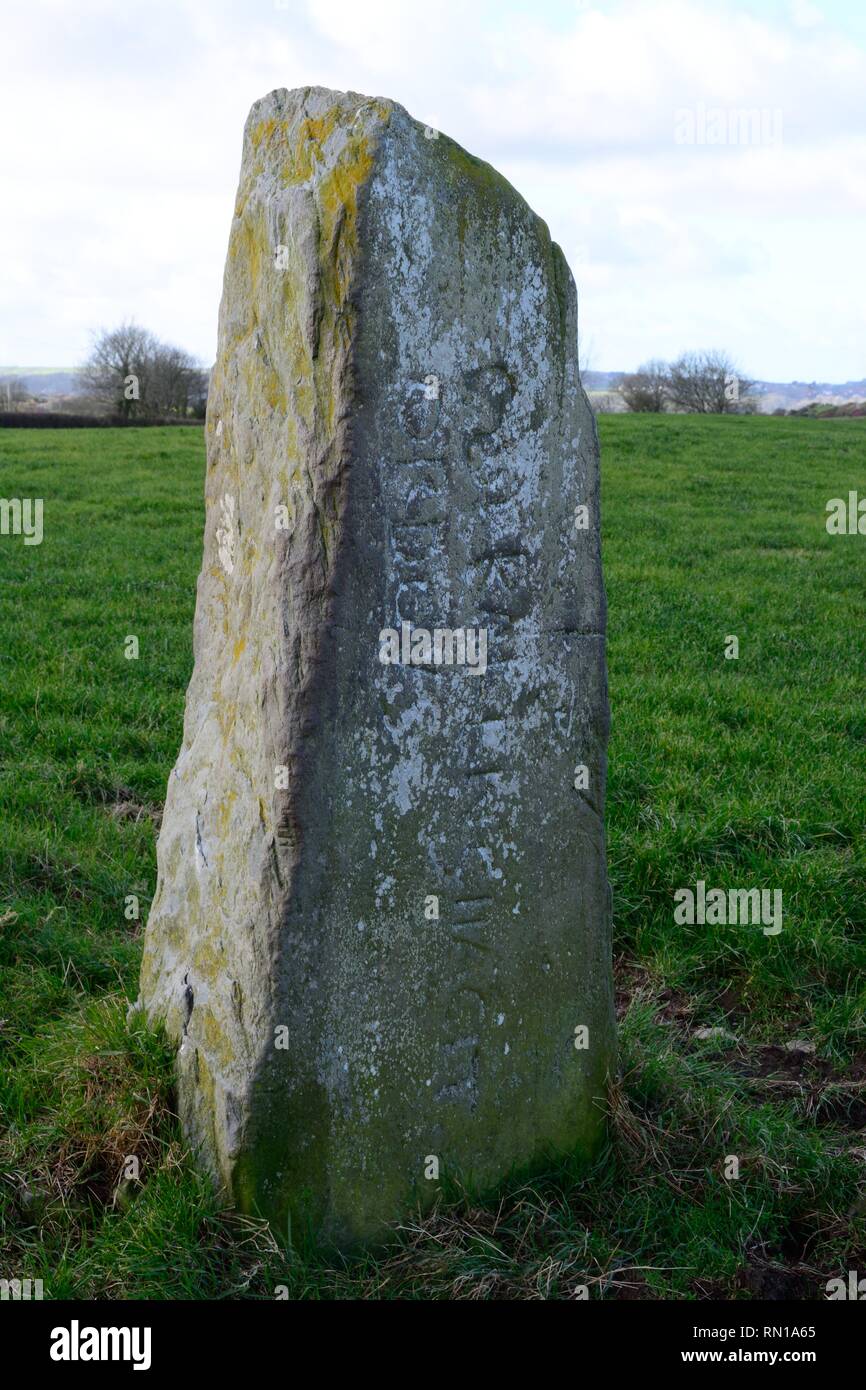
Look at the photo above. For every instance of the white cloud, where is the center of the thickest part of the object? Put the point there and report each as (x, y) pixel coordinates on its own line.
(806, 15)
(123, 143)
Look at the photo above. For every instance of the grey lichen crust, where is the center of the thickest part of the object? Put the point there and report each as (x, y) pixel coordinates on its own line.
(382, 915)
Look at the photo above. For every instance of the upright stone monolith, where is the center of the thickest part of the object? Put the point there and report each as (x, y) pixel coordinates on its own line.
(380, 934)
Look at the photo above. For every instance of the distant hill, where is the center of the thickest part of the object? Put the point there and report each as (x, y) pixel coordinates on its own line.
(771, 395)
(42, 381)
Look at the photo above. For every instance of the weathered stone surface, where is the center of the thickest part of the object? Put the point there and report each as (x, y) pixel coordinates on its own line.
(396, 433)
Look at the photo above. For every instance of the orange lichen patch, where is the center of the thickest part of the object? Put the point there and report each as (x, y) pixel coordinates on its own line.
(239, 649)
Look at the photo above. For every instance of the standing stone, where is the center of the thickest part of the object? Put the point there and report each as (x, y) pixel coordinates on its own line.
(380, 934)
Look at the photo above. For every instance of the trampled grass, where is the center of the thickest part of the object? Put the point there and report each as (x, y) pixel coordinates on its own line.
(744, 773)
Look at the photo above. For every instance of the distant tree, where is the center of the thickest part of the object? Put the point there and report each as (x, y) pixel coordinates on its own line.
(116, 372)
(174, 382)
(198, 393)
(647, 388)
(708, 383)
(130, 372)
(13, 391)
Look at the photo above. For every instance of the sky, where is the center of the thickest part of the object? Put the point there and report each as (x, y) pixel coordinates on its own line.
(687, 223)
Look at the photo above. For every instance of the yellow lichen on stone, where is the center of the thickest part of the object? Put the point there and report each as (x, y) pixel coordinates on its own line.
(263, 130)
(224, 812)
(227, 713)
(217, 1041)
(207, 961)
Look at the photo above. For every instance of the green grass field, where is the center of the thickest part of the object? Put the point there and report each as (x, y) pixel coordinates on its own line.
(744, 773)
